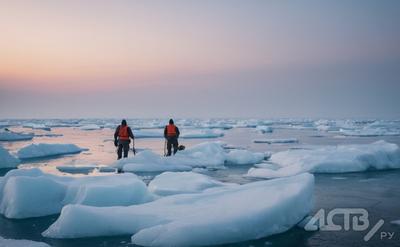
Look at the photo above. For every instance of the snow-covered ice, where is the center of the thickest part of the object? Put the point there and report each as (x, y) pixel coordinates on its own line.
(36, 126)
(273, 141)
(368, 132)
(14, 136)
(214, 216)
(169, 183)
(332, 159)
(28, 193)
(201, 133)
(207, 154)
(148, 161)
(45, 150)
(264, 129)
(250, 123)
(90, 127)
(244, 157)
(7, 160)
(21, 243)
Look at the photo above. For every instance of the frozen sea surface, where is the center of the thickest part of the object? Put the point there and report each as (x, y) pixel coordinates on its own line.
(376, 191)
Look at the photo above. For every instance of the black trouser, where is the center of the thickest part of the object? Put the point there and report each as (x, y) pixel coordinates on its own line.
(123, 145)
(172, 141)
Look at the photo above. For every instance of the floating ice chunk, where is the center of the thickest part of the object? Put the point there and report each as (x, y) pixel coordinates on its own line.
(267, 165)
(14, 136)
(205, 218)
(251, 123)
(332, 159)
(31, 193)
(21, 243)
(147, 161)
(395, 222)
(323, 127)
(169, 183)
(273, 141)
(207, 154)
(369, 132)
(48, 135)
(45, 150)
(385, 124)
(90, 127)
(148, 133)
(201, 133)
(76, 169)
(6, 159)
(304, 126)
(31, 196)
(244, 157)
(218, 125)
(264, 129)
(36, 126)
(5, 124)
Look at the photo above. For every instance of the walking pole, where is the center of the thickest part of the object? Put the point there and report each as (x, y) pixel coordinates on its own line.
(165, 147)
(133, 147)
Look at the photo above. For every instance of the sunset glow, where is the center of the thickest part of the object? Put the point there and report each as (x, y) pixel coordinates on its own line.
(74, 46)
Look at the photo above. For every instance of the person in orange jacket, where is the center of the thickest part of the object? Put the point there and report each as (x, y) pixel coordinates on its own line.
(122, 136)
(171, 134)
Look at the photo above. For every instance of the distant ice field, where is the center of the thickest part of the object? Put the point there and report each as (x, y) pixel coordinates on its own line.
(236, 133)
(77, 159)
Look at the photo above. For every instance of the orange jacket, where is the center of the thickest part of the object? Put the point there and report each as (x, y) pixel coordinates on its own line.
(171, 131)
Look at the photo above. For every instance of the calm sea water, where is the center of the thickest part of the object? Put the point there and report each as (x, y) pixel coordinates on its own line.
(376, 191)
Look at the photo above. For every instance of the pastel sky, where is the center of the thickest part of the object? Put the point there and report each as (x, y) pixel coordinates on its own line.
(211, 58)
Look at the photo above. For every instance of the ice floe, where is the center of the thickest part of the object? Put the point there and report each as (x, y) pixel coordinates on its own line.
(201, 133)
(332, 159)
(208, 154)
(169, 183)
(277, 141)
(90, 127)
(14, 136)
(28, 193)
(36, 126)
(7, 160)
(244, 157)
(395, 222)
(214, 216)
(251, 123)
(264, 129)
(369, 132)
(77, 168)
(42, 150)
(148, 161)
